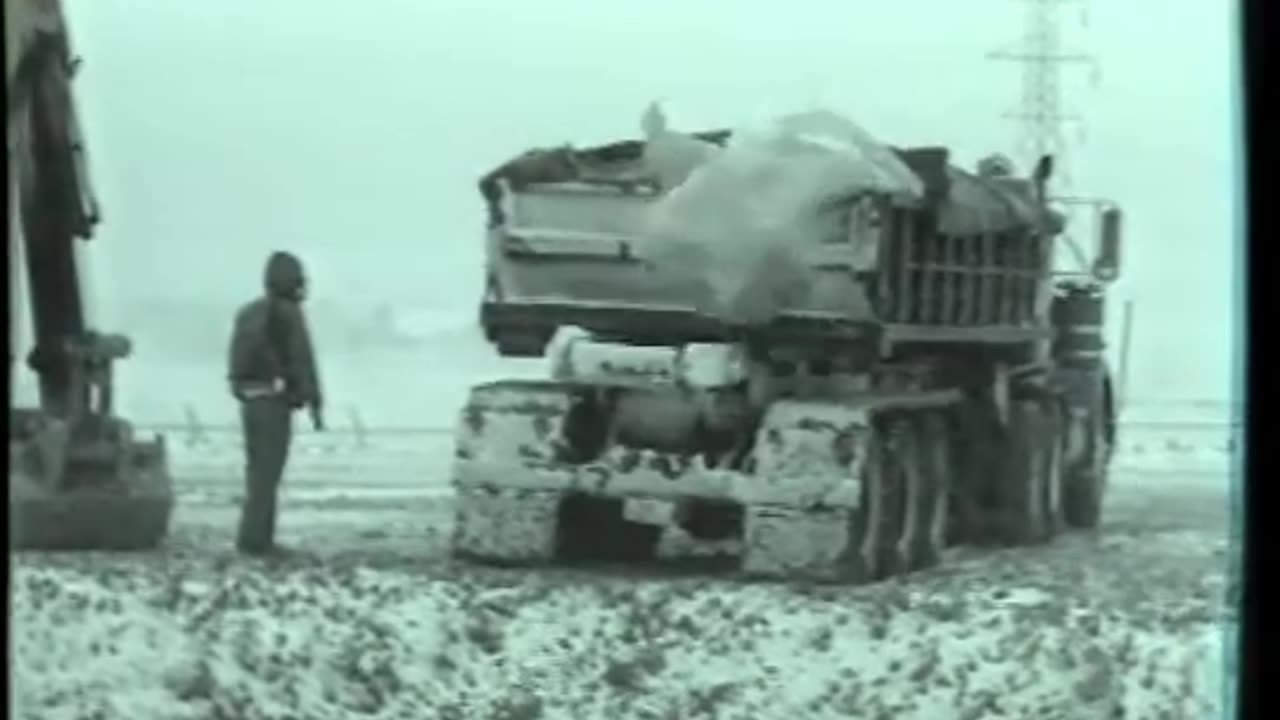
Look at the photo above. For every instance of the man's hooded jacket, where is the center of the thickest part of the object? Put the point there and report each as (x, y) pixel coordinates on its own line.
(271, 344)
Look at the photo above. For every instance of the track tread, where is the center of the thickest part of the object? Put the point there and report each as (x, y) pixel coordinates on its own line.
(919, 478)
(505, 526)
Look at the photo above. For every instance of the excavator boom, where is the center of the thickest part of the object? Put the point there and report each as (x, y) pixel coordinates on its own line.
(78, 477)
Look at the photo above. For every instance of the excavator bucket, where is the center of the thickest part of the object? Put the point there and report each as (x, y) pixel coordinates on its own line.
(109, 492)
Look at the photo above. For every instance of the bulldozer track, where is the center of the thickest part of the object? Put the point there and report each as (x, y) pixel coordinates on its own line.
(856, 490)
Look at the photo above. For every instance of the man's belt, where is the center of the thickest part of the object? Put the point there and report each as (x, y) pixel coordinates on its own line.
(254, 390)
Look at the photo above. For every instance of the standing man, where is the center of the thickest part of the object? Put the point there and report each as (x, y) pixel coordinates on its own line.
(272, 372)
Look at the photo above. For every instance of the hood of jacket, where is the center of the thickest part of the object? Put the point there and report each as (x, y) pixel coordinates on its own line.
(284, 276)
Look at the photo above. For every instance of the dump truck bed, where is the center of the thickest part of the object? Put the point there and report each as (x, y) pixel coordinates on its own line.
(572, 242)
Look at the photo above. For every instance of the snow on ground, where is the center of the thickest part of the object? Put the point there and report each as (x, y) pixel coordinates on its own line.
(320, 642)
(374, 620)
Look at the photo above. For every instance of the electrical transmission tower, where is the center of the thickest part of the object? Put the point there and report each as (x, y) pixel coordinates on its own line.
(1041, 114)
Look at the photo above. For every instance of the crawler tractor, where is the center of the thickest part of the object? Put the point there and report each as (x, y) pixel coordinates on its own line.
(937, 382)
(78, 478)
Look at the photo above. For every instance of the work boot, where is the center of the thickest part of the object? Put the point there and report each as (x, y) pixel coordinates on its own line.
(275, 551)
(253, 550)
(282, 552)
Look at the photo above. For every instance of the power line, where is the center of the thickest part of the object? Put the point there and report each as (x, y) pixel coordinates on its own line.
(1041, 113)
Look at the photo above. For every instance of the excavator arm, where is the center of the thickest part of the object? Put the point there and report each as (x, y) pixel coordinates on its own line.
(51, 200)
(77, 479)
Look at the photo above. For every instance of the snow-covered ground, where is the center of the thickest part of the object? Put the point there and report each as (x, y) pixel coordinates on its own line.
(374, 620)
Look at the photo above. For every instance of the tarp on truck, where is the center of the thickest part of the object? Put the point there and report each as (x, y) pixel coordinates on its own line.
(965, 203)
(744, 218)
(978, 205)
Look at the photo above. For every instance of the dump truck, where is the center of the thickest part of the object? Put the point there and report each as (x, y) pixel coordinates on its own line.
(836, 357)
(79, 477)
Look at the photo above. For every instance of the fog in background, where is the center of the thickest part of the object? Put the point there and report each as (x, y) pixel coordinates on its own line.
(353, 132)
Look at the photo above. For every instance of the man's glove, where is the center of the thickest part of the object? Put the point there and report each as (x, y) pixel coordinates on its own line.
(317, 418)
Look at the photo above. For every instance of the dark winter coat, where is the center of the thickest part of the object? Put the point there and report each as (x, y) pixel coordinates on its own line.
(270, 345)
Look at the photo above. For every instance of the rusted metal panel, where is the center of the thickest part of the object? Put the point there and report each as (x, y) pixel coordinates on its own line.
(1040, 283)
(974, 282)
(968, 283)
(952, 280)
(1020, 251)
(927, 275)
(906, 301)
(1005, 258)
(649, 322)
(990, 277)
(886, 280)
(986, 334)
(1035, 271)
(616, 215)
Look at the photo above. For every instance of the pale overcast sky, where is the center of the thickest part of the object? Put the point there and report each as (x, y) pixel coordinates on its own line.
(353, 131)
